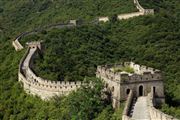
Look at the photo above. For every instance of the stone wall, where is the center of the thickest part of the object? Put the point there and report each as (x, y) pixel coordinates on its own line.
(103, 19)
(129, 15)
(140, 82)
(141, 11)
(114, 88)
(158, 85)
(156, 114)
(38, 86)
(17, 45)
(127, 107)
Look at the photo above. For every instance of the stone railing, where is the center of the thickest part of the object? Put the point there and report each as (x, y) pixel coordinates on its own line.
(128, 106)
(37, 85)
(156, 114)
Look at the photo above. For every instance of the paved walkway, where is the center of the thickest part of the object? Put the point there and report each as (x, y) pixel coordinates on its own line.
(26, 61)
(141, 109)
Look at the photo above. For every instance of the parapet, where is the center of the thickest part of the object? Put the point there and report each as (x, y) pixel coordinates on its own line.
(148, 11)
(156, 114)
(137, 72)
(17, 45)
(37, 85)
(103, 19)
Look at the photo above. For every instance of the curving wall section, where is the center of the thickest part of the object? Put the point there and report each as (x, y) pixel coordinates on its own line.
(141, 11)
(38, 86)
(17, 45)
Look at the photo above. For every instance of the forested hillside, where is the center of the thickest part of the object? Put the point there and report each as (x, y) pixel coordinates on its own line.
(72, 54)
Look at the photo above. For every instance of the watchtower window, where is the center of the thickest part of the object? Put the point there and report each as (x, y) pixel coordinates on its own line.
(141, 90)
(154, 90)
(127, 91)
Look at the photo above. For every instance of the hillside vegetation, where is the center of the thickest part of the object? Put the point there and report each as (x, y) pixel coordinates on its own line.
(23, 15)
(28, 14)
(72, 54)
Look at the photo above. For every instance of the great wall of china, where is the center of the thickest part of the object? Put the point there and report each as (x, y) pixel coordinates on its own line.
(36, 85)
(144, 86)
(143, 76)
(141, 11)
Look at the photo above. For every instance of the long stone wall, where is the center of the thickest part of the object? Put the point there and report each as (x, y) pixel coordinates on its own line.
(156, 114)
(18, 46)
(141, 11)
(38, 86)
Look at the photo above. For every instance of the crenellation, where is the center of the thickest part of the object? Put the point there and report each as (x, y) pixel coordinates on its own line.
(122, 80)
(37, 85)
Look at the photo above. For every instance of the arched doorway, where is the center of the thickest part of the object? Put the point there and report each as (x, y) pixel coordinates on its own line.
(127, 91)
(154, 90)
(141, 90)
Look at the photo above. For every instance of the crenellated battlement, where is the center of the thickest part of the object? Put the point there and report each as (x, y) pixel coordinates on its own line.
(38, 86)
(34, 44)
(126, 76)
(140, 73)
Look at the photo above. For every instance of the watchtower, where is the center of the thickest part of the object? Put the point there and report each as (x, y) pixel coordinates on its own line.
(35, 44)
(122, 78)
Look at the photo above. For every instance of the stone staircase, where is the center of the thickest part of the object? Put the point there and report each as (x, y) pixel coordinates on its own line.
(139, 110)
(132, 107)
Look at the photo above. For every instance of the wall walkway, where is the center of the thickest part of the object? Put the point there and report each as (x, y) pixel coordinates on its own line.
(38, 86)
(144, 109)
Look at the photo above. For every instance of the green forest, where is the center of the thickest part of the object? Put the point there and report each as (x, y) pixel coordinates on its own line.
(73, 54)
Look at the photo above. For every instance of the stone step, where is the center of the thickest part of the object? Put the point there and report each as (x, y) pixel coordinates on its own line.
(141, 109)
